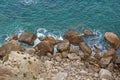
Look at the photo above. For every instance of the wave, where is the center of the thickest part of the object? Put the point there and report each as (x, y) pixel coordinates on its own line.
(29, 2)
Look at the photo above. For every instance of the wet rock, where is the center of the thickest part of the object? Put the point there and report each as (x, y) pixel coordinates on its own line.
(14, 37)
(27, 37)
(112, 53)
(43, 48)
(9, 46)
(85, 48)
(60, 76)
(73, 56)
(63, 46)
(50, 39)
(104, 62)
(105, 74)
(88, 33)
(74, 37)
(30, 50)
(112, 39)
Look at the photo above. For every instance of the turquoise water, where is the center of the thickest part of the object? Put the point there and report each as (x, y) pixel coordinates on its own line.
(58, 16)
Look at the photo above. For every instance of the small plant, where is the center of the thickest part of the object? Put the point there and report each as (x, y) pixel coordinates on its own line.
(24, 75)
(34, 78)
(6, 57)
(30, 62)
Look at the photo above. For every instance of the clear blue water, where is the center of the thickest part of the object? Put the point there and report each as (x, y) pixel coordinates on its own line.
(58, 16)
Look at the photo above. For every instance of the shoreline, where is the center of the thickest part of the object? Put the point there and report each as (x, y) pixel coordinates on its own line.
(50, 51)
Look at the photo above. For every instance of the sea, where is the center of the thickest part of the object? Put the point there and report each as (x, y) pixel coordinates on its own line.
(55, 17)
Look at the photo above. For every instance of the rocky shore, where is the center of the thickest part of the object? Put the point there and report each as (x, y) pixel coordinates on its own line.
(53, 59)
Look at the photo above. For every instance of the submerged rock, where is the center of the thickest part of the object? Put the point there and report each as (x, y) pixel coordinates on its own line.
(27, 37)
(74, 37)
(85, 48)
(43, 48)
(88, 33)
(105, 74)
(9, 46)
(112, 39)
(63, 46)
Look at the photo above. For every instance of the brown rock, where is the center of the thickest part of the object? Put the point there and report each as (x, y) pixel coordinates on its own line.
(30, 50)
(110, 52)
(43, 48)
(27, 37)
(14, 37)
(64, 54)
(104, 62)
(88, 32)
(63, 46)
(50, 39)
(76, 51)
(85, 48)
(112, 39)
(9, 46)
(74, 37)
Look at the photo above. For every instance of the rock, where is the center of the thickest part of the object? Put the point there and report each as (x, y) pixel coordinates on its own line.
(73, 56)
(63, 46)
(75, 51)
(88, 33)
(49, 55)
(30, 50)
(85, 49)
(50, 39)
(64, 54)
(73, 37)
(58, 58)
(112, 39)
(112, 53)
(60, 76)
(105, 74)
(43, 48)
(104, 62)
(83, 72)
(9, 46)
(27, 37)
(117, 61)
(14, 37)
(110, 67)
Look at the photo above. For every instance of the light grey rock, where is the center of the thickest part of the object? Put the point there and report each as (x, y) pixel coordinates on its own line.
(60, 76)
(105, 74)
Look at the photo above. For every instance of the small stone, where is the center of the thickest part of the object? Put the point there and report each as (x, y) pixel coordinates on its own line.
(64, 54)
(105, 74)
(104, 62)
(60, 76)
(88, 32)
(30, 50)
(58, 58)
(73, 56)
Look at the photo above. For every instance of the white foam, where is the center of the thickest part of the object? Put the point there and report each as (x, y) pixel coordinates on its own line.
(41, 32)
(37, 41)
(29, 2)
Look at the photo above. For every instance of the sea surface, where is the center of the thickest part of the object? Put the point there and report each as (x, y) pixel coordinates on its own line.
(55, 17)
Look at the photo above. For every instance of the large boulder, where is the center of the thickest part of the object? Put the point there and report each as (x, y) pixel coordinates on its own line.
(74, 37)
(44, 47)
(27, 37)
(63, 46)
(105, 75)
(9, 46)
(111, 53)
(85, 48)
(50, 39)
(88, 33)
(112, 39)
